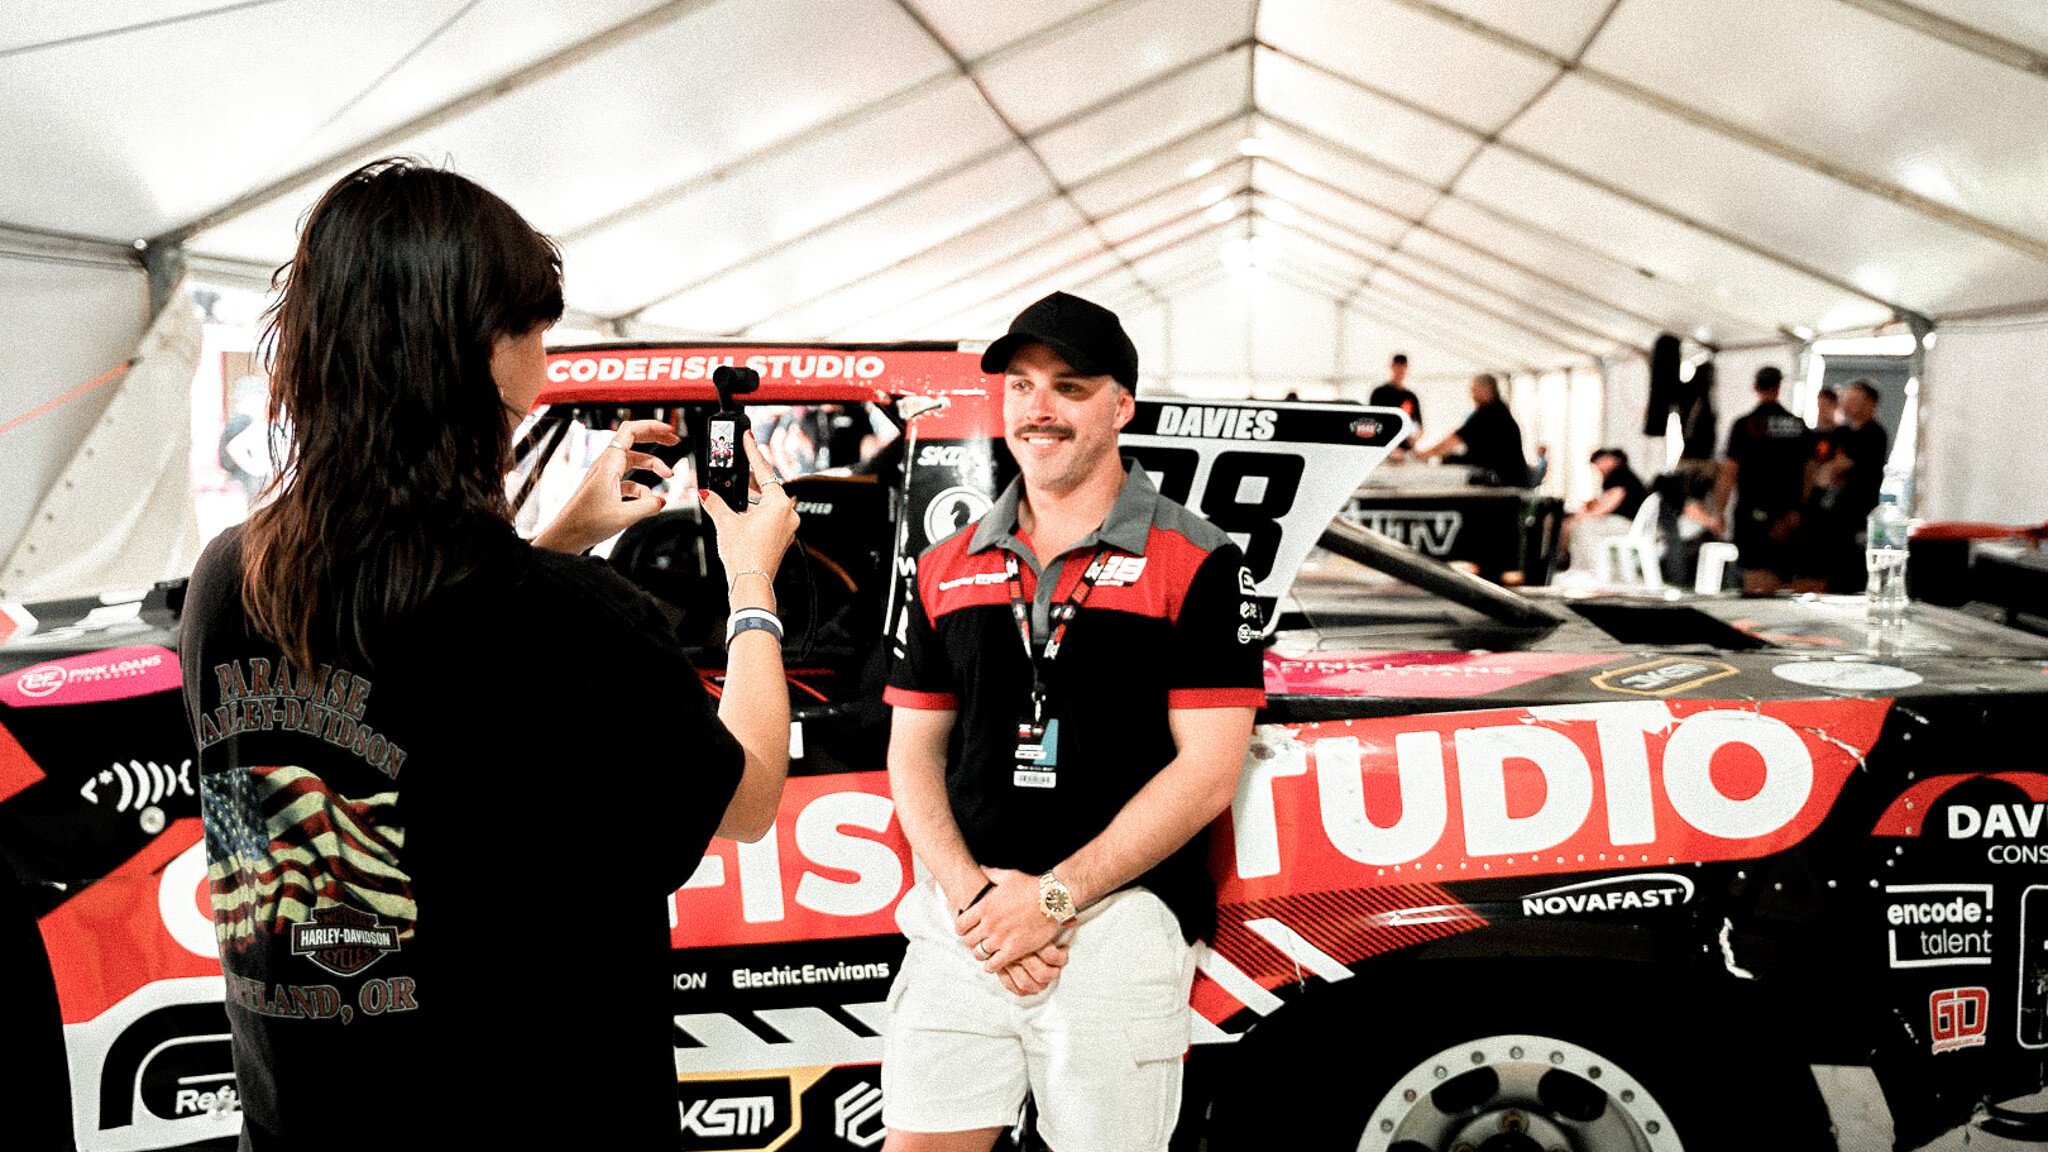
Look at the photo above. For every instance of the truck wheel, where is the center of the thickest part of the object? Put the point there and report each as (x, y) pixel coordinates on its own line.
(1519, 1092)
(1460, 1056)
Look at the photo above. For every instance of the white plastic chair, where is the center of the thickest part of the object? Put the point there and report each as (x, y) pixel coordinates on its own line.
(1715, 556)
(1633, 555)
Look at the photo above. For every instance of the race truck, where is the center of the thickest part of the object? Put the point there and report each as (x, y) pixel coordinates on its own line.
(1504, 871)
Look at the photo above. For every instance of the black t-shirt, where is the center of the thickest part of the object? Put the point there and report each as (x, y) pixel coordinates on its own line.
(1770, 447)
(1392, 395)
(1493, 443)
(439, 883)
(1171, 623)
(1633, 492)
(1867, 448)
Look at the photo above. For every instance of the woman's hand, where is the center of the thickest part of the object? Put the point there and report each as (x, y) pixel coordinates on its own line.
(606, 503)
(754, 541)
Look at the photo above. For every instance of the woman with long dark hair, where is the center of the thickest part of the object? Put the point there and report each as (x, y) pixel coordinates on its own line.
(449, 776)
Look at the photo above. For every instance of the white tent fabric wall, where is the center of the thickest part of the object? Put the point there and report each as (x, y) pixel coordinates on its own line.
(70, 320)
(1985, 405)
(119, 514)
(1280, 193)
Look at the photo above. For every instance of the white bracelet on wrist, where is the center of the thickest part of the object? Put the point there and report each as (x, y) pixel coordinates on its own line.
(749, 619)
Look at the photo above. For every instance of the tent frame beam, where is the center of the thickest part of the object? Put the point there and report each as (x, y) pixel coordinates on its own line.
(1024, 140)
(1530, 227)
(1012, 254)
(1455, 299)
(1120, 257)
(479, 97)
(1388, 252)
(1791, 154)
(932, 180)
(828, 127)
(1033, 205)
(1969, 39)
(1635, 199)
(1421, 225)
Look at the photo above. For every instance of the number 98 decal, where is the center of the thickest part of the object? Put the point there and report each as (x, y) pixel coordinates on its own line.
(1247, 494)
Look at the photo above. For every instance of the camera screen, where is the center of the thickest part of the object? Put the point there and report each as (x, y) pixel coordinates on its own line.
(723, 433)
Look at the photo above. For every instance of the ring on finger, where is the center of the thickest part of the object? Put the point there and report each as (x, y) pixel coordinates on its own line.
(981, 951)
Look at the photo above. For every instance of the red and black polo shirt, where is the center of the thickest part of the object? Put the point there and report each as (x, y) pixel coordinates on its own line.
(1170, 623)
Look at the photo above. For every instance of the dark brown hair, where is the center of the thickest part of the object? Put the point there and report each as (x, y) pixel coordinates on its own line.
(379, 344)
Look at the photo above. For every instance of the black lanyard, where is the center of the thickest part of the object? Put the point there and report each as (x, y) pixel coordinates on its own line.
(1062, 615)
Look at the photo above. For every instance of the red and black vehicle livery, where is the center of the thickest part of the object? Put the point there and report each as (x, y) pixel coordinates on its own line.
(1595, 874)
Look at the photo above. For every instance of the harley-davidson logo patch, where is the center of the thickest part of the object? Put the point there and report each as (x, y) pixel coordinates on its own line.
(343, 940)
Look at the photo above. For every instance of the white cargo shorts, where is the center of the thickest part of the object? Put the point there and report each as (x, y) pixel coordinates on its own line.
(1100, 1051)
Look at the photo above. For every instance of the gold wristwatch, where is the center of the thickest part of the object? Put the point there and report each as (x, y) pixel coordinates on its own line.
(1054, 900)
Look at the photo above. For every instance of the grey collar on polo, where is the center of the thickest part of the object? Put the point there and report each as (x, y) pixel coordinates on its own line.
(1127, 527)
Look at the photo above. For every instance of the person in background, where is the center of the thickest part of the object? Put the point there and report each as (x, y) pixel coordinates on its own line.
(1610, 513)
(1684, 521)
(1489, 441)
(395, 845)
(1857, 471)
(1539, 468)
(1820, 527)
(1056, 793)
(245, 440)
(1763, 473)
(1395, 394)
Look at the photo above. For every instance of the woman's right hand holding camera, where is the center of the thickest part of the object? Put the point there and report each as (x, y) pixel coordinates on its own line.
(751, 544)
(755, 702)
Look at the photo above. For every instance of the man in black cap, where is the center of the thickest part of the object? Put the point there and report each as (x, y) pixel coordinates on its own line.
(1056, 770)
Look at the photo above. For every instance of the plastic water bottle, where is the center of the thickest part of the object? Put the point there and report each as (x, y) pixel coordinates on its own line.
(1884, 559)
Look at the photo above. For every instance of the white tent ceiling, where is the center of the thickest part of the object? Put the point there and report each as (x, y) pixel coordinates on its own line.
(1505, 184)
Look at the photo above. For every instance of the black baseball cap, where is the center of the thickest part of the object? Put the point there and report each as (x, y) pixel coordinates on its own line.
(1087, 336)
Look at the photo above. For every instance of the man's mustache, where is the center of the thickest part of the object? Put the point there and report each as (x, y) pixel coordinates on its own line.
(1062, 431)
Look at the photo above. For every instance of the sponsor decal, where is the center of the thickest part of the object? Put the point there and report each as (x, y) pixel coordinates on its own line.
(813, 508)
(1847, 675)
(1245, 583)
(857, 1116)
(1663, 677)
(1429, 532)
(343, 940)
(115, 674)
(833, 866)
(953, 509)
(1246, 634)
(2013, 827)
(1641, 893)
(945, 456)
(1958, 1018)
(786, 975)
(1572, 788)
(1366, 428)
(2032, 1005)
(977, 578)
(142, 783)
(1216, 423)
(748, 1113)
(1452, 675)
(1121, 571)
(1248, 610)
(607, 367)
(1937, 925)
